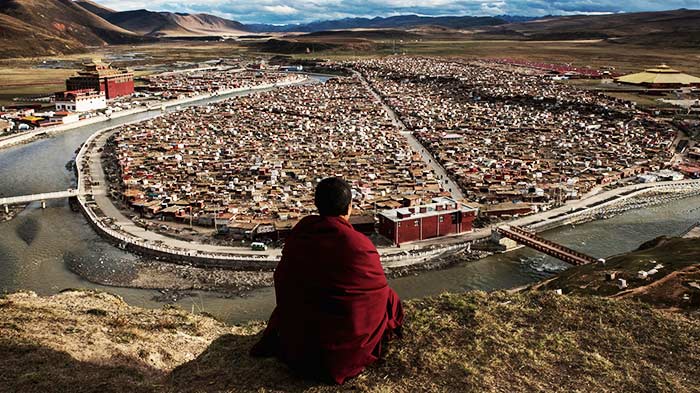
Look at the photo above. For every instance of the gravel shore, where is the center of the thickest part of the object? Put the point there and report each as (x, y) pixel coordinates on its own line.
(173, 280)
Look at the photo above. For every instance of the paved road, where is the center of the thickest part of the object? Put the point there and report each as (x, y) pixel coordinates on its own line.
(447, 183)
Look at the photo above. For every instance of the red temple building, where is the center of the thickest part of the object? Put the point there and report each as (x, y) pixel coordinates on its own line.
(102, 77)
(443, 217)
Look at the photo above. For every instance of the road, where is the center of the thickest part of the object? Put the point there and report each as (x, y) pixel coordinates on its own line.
(447, 183)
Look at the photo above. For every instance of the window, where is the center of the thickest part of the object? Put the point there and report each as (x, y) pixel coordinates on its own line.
(442, 219)
(416, 223)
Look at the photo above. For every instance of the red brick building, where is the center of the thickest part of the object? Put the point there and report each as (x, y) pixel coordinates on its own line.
(102, 77)
(442, 217)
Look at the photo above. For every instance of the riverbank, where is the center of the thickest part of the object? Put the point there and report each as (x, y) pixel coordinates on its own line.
(467, 342)
(176, 281)
(173, 281)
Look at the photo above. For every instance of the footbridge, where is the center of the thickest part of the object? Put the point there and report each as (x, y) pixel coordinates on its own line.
(19, 200)
(548, 247)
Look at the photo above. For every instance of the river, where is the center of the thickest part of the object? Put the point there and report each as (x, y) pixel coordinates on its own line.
(35, 246)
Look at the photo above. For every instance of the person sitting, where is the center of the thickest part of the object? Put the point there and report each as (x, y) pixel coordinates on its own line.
(334, 304)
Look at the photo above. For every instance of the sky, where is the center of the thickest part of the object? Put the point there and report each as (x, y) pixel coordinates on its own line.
(304, 11)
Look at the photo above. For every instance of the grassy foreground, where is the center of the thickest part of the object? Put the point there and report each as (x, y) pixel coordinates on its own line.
(94, 342)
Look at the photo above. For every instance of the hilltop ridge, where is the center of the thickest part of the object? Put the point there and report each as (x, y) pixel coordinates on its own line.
(95, 8)
(674, 27)
(165, 24)
(469, 342)
(54, 27)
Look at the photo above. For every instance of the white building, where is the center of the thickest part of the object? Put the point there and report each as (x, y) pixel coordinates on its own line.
(66, 117)
(80, 100)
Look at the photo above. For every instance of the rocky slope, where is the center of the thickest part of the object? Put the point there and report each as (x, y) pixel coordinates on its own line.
(54, 27)
(93, 342)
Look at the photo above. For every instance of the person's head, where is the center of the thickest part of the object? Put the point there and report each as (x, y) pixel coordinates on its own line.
(333, 198)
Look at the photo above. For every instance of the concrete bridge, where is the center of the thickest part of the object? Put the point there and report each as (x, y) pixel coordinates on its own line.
(548, 247)
(19, 200)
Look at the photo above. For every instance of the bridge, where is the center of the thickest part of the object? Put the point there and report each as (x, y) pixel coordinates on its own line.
(548, 247)
(19, 200)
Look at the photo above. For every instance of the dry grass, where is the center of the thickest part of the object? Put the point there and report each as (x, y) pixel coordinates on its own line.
(15, 82)
(453, 343)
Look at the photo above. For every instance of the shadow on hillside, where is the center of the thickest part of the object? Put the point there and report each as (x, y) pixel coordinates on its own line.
(32, 368)
(226, 365)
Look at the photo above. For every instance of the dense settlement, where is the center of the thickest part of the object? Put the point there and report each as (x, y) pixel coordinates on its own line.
(512, 137)
(514, 140)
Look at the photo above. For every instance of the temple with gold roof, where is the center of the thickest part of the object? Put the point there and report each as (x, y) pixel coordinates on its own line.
(661, 77)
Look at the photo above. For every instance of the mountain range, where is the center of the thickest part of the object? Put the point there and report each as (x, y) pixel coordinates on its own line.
(675, 28)
(52, 27)
(402, 21)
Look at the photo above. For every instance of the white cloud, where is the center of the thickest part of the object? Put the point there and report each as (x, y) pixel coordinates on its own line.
(280, 9)
(294, 11)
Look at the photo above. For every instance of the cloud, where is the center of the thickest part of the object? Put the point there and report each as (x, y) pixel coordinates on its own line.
(280, 9)
(301, 11)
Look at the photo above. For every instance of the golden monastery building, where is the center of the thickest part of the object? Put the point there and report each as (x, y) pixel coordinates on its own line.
(660, 77)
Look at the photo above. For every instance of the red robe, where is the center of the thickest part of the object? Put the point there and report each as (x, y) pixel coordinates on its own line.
(334, 305)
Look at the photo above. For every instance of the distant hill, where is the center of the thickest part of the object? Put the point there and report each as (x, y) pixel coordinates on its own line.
(370, 34)
(169, 24)
(95, 8)
(679, 27)
(40, 27)
(402, 21)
